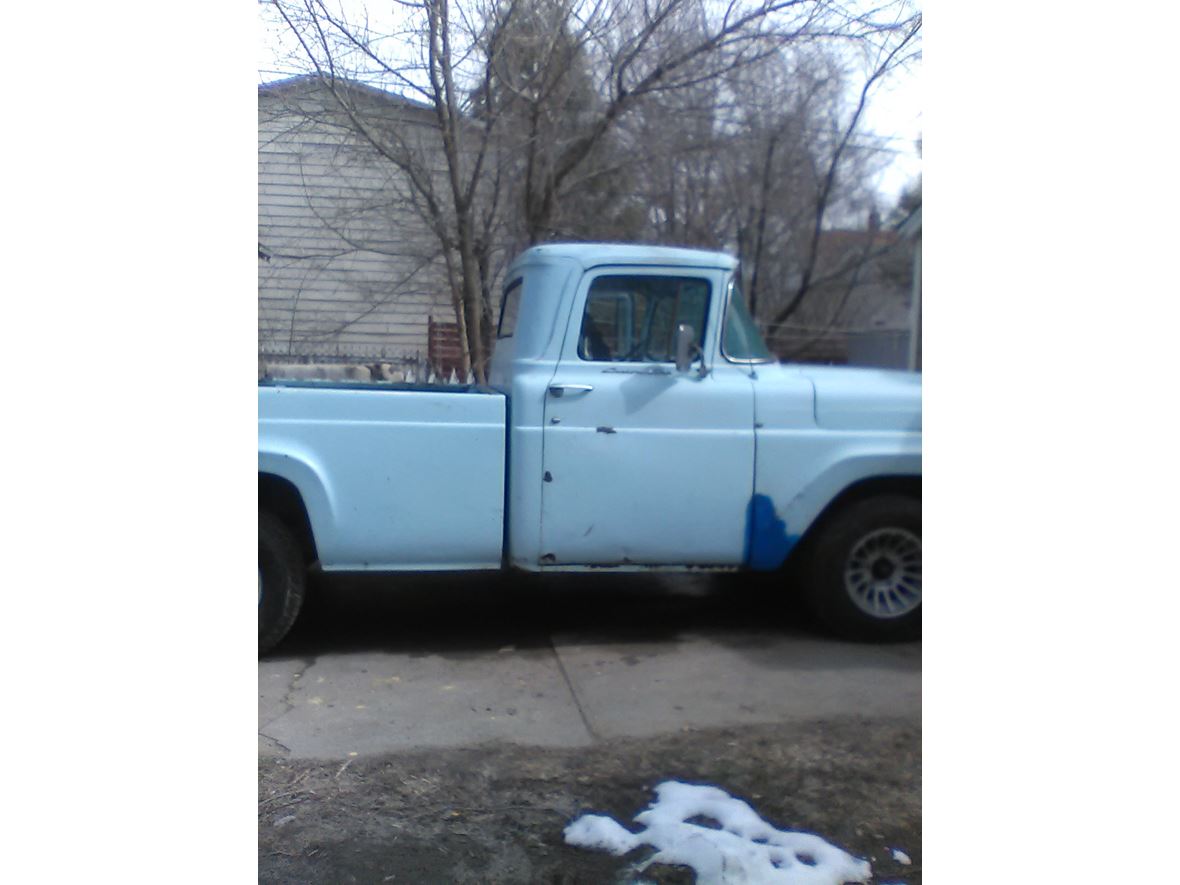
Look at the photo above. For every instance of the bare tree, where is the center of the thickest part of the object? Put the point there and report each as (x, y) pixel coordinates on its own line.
(899, 47)
(739, 162)
(443, 171)
(528, 98)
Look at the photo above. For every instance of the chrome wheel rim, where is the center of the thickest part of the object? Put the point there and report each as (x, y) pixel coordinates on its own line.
(883, 574)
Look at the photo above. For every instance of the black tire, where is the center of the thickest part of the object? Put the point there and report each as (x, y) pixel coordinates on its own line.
(282, 581)
(863, 572)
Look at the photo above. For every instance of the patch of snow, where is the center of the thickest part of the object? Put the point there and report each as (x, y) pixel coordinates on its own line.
(744, 850)
(900, 856)
(599, 831)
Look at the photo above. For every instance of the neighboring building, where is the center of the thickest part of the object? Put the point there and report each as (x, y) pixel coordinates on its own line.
(857, 311)
(911, 230)
(348, 268)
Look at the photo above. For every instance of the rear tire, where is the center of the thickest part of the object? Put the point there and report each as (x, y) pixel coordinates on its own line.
(863, 576)
(281, 581)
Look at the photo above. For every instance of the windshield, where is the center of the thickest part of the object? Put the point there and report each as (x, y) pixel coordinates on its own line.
(741, 339)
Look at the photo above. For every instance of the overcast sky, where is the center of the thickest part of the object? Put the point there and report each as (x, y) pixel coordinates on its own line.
(895, 116)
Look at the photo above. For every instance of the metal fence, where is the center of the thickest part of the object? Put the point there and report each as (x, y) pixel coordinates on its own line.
(350, 363)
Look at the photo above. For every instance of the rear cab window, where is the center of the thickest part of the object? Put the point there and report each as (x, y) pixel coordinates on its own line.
(509, 308)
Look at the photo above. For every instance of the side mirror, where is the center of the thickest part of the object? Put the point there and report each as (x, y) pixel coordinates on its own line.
(686, 343)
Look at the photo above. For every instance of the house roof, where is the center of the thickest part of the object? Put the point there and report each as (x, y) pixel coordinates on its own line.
(312, 81)
(835, 242)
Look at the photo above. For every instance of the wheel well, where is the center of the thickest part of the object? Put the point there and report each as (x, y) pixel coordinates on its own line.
(280, 497)
(910, 486)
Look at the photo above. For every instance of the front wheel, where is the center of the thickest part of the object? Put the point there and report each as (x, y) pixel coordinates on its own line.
(281, 581)
(864, 571)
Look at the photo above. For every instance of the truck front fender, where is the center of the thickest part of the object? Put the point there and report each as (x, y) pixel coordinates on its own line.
(776, 528)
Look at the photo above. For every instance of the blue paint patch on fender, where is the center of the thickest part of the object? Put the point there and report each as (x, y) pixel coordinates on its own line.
(767, 540)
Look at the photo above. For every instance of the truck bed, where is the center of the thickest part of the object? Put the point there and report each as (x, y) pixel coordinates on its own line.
(401, 477)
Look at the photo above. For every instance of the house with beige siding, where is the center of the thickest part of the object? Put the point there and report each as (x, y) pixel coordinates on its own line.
(349, 269)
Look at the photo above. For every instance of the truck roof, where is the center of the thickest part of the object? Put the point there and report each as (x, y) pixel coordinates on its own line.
(595, 254)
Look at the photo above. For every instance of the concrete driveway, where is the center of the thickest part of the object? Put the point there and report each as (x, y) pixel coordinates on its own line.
(379, 665)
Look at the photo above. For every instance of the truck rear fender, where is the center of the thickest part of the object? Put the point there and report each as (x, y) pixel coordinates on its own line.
(283, 472)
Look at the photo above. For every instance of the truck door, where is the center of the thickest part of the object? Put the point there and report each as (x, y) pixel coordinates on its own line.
(644, 464)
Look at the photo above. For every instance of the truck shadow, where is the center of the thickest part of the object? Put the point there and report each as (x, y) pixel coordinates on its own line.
(467, 615)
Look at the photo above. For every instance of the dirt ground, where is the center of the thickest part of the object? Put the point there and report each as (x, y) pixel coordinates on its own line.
(495, 813)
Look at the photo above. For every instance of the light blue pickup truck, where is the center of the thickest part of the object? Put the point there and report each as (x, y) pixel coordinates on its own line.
(634, 420)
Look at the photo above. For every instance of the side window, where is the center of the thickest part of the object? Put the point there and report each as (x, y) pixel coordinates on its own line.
(741, 339)
(634, 318)
(509, 308)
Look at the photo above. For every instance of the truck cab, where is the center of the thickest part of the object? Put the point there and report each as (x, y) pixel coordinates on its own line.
(718, 460)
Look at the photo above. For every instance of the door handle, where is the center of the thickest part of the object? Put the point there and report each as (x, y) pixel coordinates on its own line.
(559, 390)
